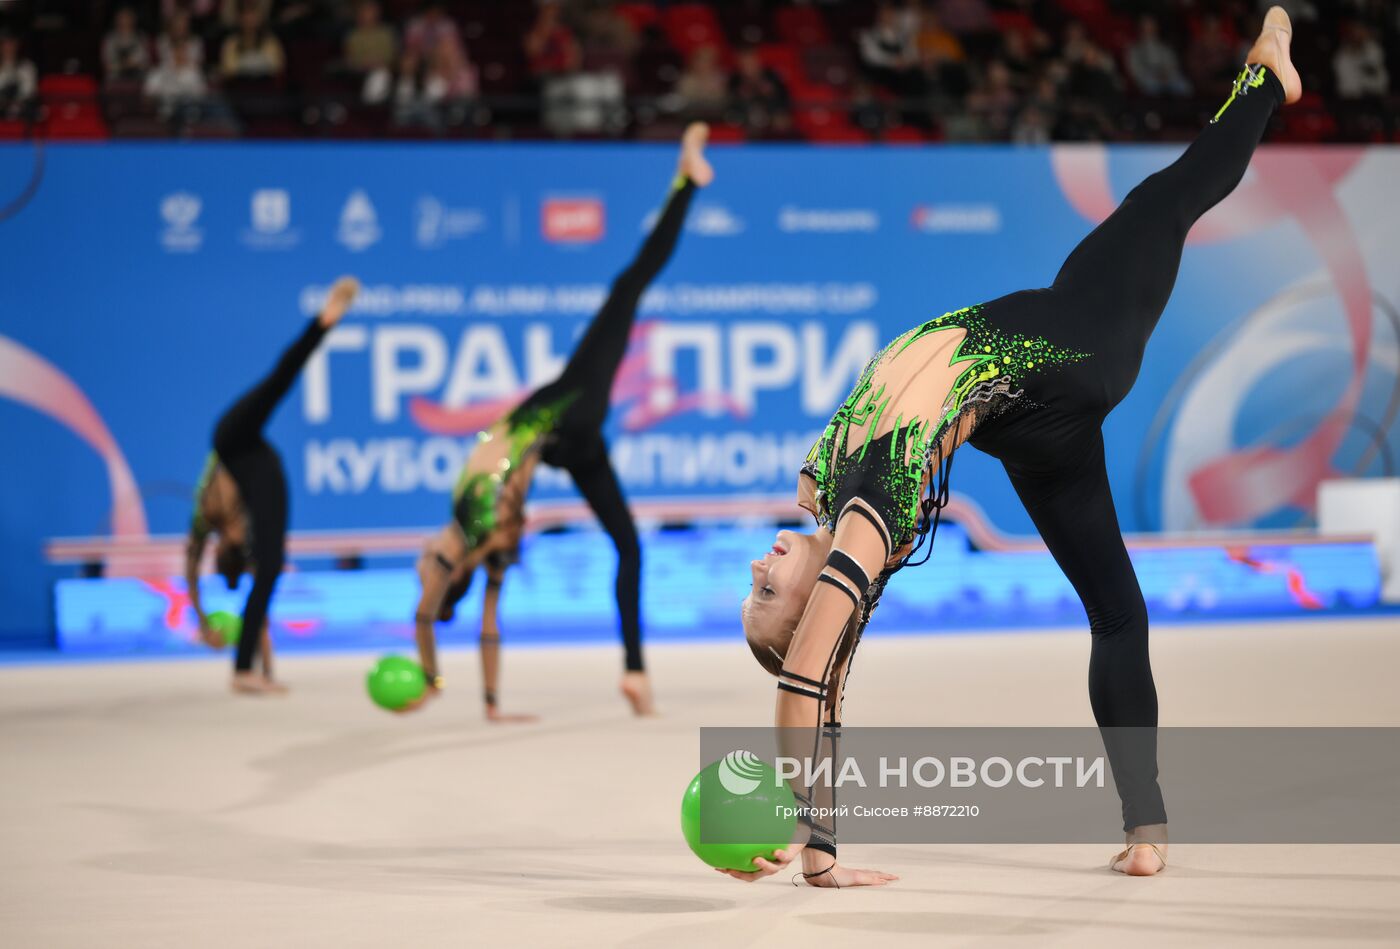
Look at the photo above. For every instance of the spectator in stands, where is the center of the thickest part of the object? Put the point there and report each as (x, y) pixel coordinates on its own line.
(703, 87)
(178, 36)
(18, 80)
(1032, 126)
(410, 104)
(1359, 64)
(1073, 42)
(425, 32)
(1017, 57)
(1045, 96)
(942, 56)
(176, 82)
(757, 94)
(1090, 91)
(1093, 79)
(203, 17)
(889, 51)
(434, 92)
(937, 42)
(251, 52)
(550, 46)
(1153, 65)
(867, 112)
(126, 53)
(370, 50)
(606, 38)
(994, 101)
(1210, 59)
(966, 17)
(231, 12)
(451, 75)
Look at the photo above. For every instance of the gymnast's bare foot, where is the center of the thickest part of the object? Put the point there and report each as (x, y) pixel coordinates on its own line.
(636, 688)
(1271, 50)
(1146, 853)
(338, 300)
(693, 163)
(255, 683)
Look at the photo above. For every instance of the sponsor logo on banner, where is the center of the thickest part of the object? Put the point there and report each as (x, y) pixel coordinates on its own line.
(180, 212)
(434, 224)
(359, 224)
(794, 220)
(957, 218)
(573, 220)
(706, 220)
(270, 218)
(714, 220)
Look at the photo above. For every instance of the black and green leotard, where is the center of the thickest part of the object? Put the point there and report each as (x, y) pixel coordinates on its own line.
(1041, 370)
(561, 424)
(486, 496)
(891, 472)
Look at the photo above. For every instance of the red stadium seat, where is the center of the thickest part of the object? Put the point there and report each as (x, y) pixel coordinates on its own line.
(841, 135)
(727, 133)
(902, 135)
(828, 65)
(745, 24)
(1084, 9)
(785, 61)
(1113, 32)
(211, 131)
(1310, 121)
(802, 26)
(666, 131)
(1010, 21)
(140, 126)
(638, 15)
(81, 126)
(67, 86)
(822, 123)
(11, 131)
(692, 25)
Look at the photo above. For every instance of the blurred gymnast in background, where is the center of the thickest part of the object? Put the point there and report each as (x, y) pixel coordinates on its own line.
(242, 497)
(560, 424)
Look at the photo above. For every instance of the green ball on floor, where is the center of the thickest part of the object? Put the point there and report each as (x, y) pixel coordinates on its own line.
(396, 682)
(227, 625)
(732, 813)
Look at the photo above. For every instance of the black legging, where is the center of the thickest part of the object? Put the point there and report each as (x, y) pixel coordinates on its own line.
(257, 470)
(1105, 302)
(577, 444)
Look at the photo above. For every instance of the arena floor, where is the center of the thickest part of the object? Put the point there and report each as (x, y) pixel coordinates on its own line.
(143, 806)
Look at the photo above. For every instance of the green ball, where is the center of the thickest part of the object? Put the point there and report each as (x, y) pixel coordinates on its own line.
(396, 682)
(227, 625)
(736, 799)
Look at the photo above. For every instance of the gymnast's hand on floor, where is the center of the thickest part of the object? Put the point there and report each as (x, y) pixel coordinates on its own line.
(497, 717)
(429, 693)
(818, 869)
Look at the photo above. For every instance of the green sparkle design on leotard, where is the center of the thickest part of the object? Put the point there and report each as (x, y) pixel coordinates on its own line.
(1250, 77)
(993, 363)
(197, 521)
(475, 496)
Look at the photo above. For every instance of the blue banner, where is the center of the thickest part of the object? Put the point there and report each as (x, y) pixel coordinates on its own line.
(146, 286)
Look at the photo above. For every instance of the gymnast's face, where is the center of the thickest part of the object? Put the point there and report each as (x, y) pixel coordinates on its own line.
(782, 583)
